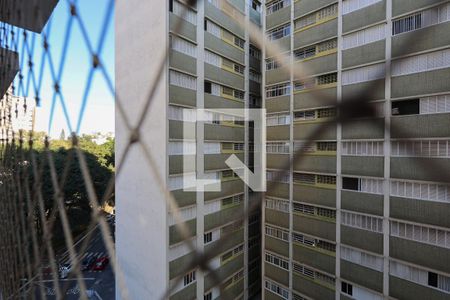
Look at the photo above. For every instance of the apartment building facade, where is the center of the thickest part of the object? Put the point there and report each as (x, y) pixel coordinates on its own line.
(212, 65)
(16, 114)
(364, 214)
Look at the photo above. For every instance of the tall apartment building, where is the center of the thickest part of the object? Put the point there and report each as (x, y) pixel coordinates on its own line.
(212, 64)
(365, 214)
(16, 114)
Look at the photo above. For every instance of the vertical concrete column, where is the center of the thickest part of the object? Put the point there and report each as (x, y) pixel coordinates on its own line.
(141, 208)
(246, 141)
(291, 149)
(200, 134)
(387, 149)
(339, 156)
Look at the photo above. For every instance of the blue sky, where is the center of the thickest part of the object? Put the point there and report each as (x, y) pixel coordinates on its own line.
(99, 110)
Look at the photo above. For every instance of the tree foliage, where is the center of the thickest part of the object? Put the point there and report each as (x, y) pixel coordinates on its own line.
(98, 152)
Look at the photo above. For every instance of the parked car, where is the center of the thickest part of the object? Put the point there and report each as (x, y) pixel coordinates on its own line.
(100, 263)
(64, 270)
(88, 263)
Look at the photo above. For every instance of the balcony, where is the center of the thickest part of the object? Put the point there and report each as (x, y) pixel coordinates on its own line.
(27, 15)
(9, 66)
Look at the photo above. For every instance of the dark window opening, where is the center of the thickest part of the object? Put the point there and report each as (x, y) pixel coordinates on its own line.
(171, 5)
(407, 107)
(208, 88)
(432, 279)
(350, 183)
(206, 25)
(347, 288)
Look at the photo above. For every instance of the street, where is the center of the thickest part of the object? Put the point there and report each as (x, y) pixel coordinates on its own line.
(99, 284)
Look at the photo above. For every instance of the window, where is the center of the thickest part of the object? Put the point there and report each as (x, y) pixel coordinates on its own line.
(432, 279)
(366, 222)
(256, 5)
(314, 210)
(183, 46)
(207, 238)
(363, 148)
(420, 190)
(365, 36)
(277, 204)
(421, 63)
(368, 73)
(254, 52)
(405, 107)
(365, 185)
(326, 146)
(277, 233)
(232, 253)
(239, 68)
(313, 274)
(327, 79)
(327, 46)
(212, 207)
(305, 84)
(321, 15)
(313, 242)
(422, 19)
(279, 32)
(305, 52)
(239, 42)
(234, 200)
(255, 76)
(213, 59)
(362, 258)
(435, 104)
(421, 233)
(305, 115)
(213, 29)
(189, 278)
(304, 178)
(346, 288)
(326, 179)
(208, 88)
(420, 148)
(182, 148)
(276, 288)
(276, 6)
(272, 64)
(349, 6)
(179, 181)
(278, 119)
(182, 80)
(185, 214)
(278, 90)
(184, 12)
(208, 296)
(420, 276)
(315, 147)
(279, 147)
(298, 297)
(277, 261)
(278, 176)
(326, 113)
(211, 148)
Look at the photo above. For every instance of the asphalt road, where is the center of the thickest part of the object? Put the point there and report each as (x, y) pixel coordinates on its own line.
(100, 284)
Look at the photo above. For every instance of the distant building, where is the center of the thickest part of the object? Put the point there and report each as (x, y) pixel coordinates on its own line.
(16, 113)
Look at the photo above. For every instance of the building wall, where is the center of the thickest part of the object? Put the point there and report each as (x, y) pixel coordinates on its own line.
(142, 233)
(232, 66)
(313, 207)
